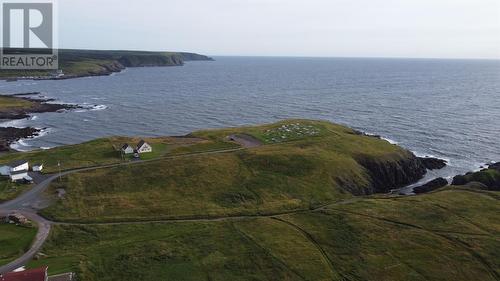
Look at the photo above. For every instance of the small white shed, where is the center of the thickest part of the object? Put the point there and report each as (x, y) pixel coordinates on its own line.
(37, 167)
(127, 149)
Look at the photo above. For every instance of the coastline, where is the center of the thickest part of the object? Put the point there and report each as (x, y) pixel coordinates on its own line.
(25, 106)
(89, 63)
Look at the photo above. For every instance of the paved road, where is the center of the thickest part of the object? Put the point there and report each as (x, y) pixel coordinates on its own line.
(30, 202)
(41, 236)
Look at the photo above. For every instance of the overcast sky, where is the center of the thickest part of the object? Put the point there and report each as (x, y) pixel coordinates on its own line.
(333, 28)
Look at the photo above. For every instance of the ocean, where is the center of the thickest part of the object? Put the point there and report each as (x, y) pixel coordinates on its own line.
(449, 109)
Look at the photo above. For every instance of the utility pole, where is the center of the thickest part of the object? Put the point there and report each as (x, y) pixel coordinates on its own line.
(59, 166)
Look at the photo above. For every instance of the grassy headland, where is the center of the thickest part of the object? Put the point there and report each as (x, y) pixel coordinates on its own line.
(298, 189)
(300, 172)
(79, 63)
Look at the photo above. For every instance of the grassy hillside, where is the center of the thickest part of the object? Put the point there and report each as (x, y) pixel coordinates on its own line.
(429, 237)
(77, 63)
(303, 170)
(9, 103)
(284, 210)
(10, 190)
(106, 151)
(14, 241)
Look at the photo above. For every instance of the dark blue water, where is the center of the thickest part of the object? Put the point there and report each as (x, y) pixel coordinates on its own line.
(444, 108)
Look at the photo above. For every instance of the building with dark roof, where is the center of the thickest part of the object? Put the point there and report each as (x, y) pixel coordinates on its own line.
(127, 149)
(143, 147)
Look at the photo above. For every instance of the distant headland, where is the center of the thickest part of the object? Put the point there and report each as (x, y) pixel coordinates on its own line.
(82, 63)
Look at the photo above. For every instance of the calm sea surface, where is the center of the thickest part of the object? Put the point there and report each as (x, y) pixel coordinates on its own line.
(445, 108)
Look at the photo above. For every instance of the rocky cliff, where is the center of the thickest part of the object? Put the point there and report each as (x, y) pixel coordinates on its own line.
(81, 63)
(488, 179)
(391, 174)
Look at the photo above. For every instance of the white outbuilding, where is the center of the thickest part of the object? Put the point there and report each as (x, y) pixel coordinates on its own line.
(144, 147)
(37, 167)
(127, 149)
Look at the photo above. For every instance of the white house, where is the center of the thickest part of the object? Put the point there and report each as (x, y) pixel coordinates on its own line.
(19, 175)
(144, 147)
(127, 149)
(37, 167)
(19, 165)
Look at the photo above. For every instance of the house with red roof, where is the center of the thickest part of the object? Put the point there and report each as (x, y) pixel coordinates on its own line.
(37, 274)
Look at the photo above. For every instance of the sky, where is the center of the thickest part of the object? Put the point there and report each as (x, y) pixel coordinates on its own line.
(315, 28)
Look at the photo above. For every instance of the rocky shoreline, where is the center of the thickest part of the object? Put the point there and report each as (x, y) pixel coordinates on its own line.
(38, 105)
(8, 135)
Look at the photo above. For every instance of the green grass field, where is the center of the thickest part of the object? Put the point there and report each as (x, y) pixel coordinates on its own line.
(10, 190)
(302, 173)
(430, 237)
(10, 103)
(14, 241)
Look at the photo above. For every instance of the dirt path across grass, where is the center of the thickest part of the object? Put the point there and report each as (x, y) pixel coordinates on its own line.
(245, 140)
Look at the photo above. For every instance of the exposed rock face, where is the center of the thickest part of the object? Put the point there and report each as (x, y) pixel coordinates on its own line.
(102, 63)
(11, 134)
(195, 57)
(495, 166)
(433, 163)
(38, 106)
(388, 175)
(476, 185)
(490, 178)
(151, 60)
(459, 180)
(430, 186)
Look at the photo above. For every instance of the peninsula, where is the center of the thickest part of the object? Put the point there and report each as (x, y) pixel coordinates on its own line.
(81, 63)
(293, 200)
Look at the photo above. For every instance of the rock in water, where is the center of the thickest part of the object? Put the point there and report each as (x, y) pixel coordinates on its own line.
(495, 166)
(430, 186)
(11, 134)
(488, 177)
(432, 163)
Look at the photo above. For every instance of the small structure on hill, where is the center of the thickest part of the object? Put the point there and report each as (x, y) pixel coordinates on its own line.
(37, 167)
(143, 147)
(20, 176)
(127, 149)
(63, 277)
(19, 165)
(37, 274)
(14, 167)
(17, 219)
(17, 171)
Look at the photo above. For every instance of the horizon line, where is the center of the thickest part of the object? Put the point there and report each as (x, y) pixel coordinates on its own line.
(291, 56)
